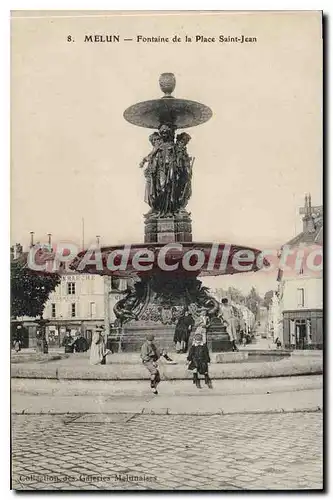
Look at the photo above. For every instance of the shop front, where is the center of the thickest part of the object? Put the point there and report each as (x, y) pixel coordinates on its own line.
(303, 329)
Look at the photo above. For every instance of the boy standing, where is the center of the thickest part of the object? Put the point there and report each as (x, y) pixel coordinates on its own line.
(150, 354)
(199, 358)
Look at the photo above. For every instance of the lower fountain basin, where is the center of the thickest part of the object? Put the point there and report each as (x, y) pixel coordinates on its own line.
(251, 356)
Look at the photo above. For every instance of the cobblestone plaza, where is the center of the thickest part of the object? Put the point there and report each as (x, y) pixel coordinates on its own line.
(268, 451)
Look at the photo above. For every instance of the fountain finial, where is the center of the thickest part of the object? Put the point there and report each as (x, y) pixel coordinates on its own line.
(167, 83)
(181, 113)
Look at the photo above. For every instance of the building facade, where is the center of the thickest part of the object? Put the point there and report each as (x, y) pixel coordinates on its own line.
(78, 304)
(299, 309)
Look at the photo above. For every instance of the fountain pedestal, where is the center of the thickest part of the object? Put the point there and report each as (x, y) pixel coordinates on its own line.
(217, 336)
(176, 228)
(134, 334)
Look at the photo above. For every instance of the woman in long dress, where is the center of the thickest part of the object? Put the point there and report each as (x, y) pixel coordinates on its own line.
(97, 350)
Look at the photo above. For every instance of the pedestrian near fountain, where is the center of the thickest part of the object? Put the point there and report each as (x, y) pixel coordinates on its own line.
(68, 342)
(98, 351)
(81, 344)
(229, 319)
(183, 330)
(198, 358)
(17, 345)
(150, 354)
(278, 343)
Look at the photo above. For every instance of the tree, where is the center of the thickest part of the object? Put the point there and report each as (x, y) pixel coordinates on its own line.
(235, 295)
(29, 289)
(220, 293)
(268, 298)
(253, 301)
(232, 293)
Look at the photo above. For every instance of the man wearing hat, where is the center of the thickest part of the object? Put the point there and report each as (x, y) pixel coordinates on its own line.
(150, 354)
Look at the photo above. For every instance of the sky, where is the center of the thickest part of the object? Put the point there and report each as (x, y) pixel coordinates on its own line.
(74, 156)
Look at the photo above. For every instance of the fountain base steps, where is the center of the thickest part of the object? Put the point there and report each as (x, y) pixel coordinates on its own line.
(132, 338)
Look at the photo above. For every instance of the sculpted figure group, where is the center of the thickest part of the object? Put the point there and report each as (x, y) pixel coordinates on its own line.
(131, 306)
(168, 172)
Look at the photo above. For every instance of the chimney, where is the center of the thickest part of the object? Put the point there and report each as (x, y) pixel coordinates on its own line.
(31, 239)
(308, 220)
(97, 240)
(49, 239)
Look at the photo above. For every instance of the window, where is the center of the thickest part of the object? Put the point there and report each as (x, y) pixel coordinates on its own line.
(53, 310)
(73, 310)
(300, 297)
(92, 309)
(71, 288)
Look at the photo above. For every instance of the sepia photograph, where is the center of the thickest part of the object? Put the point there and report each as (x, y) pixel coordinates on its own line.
(166, 258)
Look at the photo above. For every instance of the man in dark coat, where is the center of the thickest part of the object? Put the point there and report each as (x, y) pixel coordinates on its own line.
(183, 330)
(68, 342)
(81, 344)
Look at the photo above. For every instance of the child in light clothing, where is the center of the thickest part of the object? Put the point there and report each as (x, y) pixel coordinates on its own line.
(150, 354)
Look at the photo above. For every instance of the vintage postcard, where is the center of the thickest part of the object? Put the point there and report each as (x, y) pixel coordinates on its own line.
(166, 250)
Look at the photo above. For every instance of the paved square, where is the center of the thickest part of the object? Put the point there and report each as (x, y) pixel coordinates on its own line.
(144, 452)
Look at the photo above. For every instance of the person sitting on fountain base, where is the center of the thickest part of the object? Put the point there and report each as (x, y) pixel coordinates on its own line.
(198, 358)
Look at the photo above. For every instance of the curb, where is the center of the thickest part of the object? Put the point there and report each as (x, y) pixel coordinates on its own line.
(167, 411)
(217, 372)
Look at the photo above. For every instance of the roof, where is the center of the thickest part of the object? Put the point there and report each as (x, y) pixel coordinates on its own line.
(314, 237)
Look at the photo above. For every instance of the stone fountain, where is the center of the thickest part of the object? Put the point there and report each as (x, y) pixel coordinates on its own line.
(155, 296)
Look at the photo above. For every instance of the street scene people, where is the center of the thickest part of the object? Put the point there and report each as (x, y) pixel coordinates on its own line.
(68, 342)
(183, 330)
(198, 358)
(98, 350)
(278, 343)
(17, 344)
(227, 315)
(150, 354)
(81, 344)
